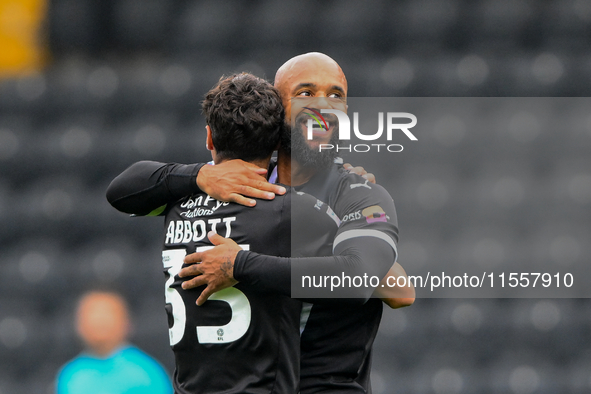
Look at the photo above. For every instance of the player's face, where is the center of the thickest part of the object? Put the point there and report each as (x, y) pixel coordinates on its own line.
(310, 87)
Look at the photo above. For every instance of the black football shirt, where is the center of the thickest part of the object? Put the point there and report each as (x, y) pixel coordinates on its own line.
(337, 339)
(338, 331)
(242, 340)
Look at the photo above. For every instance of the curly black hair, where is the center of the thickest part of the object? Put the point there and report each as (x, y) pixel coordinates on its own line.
(245, 115)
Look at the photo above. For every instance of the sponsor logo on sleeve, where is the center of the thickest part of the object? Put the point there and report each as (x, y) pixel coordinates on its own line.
(352, 216)
(374, 214)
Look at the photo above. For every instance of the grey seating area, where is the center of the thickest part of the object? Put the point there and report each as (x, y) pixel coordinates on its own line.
(126, 82)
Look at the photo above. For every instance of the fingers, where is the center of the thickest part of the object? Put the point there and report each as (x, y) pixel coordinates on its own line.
(256, 192)
(237, 181)
(253, 167)
(260, 171)
(269, 188)
(278, 189)
(370, 177)
(357, 170)
(246, 194)
(215, 238)
(205, 294)
(260, 189)
(360, 171)
(193, 258)
(239, 199)
(194, 282)
(191, 270)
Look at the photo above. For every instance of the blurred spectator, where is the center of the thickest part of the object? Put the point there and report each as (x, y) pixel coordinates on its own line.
(109, 364)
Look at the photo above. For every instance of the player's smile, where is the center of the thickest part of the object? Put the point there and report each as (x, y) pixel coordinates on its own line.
(323, 126)
(322, 130)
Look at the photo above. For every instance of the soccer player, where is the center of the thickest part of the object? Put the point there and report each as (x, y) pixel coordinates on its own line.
(337, 339)
(252, 336)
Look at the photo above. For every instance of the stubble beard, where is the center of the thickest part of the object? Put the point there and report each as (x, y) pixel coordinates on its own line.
(294, 143)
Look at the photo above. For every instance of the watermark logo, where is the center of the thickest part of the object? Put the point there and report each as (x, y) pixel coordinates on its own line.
(318, 115)
(393, 125)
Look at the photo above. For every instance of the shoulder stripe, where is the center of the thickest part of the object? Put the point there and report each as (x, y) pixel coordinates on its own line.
(364, 233)
(333, 216)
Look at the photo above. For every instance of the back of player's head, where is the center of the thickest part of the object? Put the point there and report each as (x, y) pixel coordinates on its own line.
(245, 115)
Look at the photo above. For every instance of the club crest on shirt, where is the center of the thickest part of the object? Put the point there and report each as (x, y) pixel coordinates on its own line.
(318, 204)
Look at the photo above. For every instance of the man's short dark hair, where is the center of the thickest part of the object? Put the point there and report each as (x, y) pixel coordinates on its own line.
(245, 115)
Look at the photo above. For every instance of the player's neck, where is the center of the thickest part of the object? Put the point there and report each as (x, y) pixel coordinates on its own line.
(289, 172)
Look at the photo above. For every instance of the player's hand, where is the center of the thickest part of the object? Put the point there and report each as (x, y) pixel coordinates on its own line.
(393, 295)
(216, 269)
(235, 181)
(360, 171)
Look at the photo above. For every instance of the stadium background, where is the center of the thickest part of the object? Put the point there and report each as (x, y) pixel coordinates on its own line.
(90, 87)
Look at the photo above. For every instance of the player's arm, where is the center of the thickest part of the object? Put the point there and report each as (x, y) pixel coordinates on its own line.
(236, 181)
(275, 275)
(226, 264)
(393, 295)
(147, 186)
(355, 255)
(364, 247)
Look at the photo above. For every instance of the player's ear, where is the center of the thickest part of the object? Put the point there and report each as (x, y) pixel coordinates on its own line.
(209, 141)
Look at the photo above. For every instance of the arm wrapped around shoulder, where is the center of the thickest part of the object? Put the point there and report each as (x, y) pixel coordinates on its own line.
(146, 186)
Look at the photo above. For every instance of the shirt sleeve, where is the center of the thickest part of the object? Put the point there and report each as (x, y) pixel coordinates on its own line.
(267, 273)
(364, 247)
(275, 274)
(147, 186)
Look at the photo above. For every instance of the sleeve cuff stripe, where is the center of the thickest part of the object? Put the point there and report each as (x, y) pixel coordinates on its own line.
(364, 233)
(157, 211)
